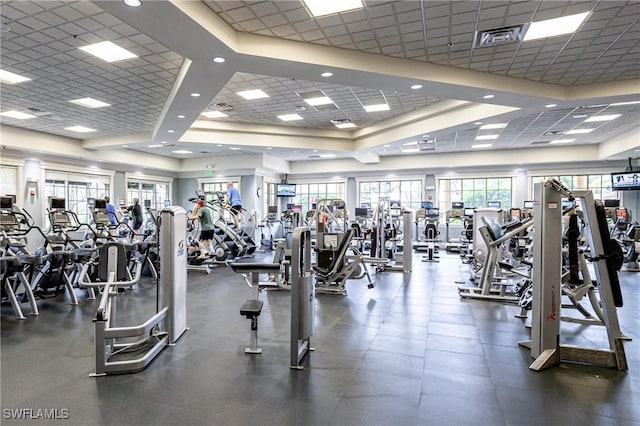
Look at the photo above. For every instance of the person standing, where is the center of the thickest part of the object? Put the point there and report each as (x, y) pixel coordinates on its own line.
(111, 211)
(136, 212)
(203, 214)
(234, 200)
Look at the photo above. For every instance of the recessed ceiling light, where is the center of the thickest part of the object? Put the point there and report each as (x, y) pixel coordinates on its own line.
(578, 131)
(376, 107)
(315, 98)
(416, 86)
(90, 103)
(80, 129)
(481, 145)
(181, 116)
(477, 123)
(11, 78)
(315, 150)
(108, 51)
(580, 116)
(171, 131)
(386, 146)
(219, 60)
(326, 74)
(327, 155)
(290, 117)
(409, 150)
(195, 95)
(494, 126)
(214, 114)
(154, 146)
(550, 105)
(133, 3)
(602, 118)
(489, 96)
(345, 125)
(181, 151)
(558, 141)
(425, 136)
(269, 147)
(234, 148)
(17, 114)
(625, 103)
(555, 27)
(486, 137)
(319, 8)
(125, 146)
(163, 142)
(252, 94)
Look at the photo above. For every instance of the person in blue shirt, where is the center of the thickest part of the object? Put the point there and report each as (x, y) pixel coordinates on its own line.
(234, 200)
(111, 211)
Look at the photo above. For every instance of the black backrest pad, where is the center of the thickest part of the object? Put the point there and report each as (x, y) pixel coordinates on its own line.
(609, 251)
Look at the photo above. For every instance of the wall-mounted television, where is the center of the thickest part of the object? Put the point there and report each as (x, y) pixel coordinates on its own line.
(6, 203)
(457, 205)
(361, 212)
(528, 204)
(100, 203)
(494, 204)
(286, 189)
(625, 181)
(611, 203)
(426, 204)
(57, 203)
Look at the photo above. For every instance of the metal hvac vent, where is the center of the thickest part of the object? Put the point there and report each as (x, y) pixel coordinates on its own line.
(499, 36)
(223, 106)
(553, 133)
(37, 112)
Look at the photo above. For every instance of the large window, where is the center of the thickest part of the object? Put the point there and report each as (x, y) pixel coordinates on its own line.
(474, 192)
(8, 180)
(268, 197)
(308, 194)
(408, 192)
(214, 188)
(76, 189)
(155, 192)
(600, 184)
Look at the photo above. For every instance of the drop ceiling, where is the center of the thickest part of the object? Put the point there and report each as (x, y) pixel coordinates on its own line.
(375, 54)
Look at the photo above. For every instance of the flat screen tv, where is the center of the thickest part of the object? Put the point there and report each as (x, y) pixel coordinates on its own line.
(528, 204)
(6, 203)
(100, 203)
(457, 205)
(57, 203)
(286, 189)
(611, 203)
(494, 204)
(625, 181)
(433, 212)
(468, 211)
(361, 212)
(426, 204)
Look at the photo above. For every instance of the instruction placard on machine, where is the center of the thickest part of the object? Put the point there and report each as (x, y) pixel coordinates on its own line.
(330, 241)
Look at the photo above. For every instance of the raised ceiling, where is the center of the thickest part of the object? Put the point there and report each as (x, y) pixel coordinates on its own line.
(375, 54)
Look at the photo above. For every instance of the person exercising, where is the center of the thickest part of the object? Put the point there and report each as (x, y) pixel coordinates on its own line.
(234, 200)
(111, 211)
(203, 214)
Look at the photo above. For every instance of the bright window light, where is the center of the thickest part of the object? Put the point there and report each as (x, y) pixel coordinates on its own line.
(602, 118)
(90, 103)
(181, 151)
(376, 107)
(17, 114)
(108, 51)
(486, 137)
(578, 131)
(345, 125)
(80, 129)
(290, 117)
(560, 141)
(11, 78)
(252, 94)
(214, 114)
(555, 27)
(481, 145)
(494, 126)
(154, 146)
(319, 8)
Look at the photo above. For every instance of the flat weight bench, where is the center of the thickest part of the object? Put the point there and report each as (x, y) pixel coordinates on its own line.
(252, 308)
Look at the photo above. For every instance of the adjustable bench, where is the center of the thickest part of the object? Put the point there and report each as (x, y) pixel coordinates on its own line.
(252, 308)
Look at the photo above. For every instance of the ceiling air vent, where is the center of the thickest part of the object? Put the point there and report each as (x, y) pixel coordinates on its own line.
(498, 36)
(37, 112)
(223, 106)
(553, 133)
(314, 156)
(540, 142)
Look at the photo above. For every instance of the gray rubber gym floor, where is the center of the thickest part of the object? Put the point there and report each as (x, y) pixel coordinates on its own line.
(408, 352)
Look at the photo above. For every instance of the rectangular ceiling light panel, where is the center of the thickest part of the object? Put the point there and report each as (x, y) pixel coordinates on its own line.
(556, 26)
(80, 129)
(17, 114)
(493, 126)
(90, 103)
(252, 94)
(290, 117)
(376, 108)
(214, 114)
(597, 118)
(108, 51)
(315, 98)
(319, 8)
(11, 78)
